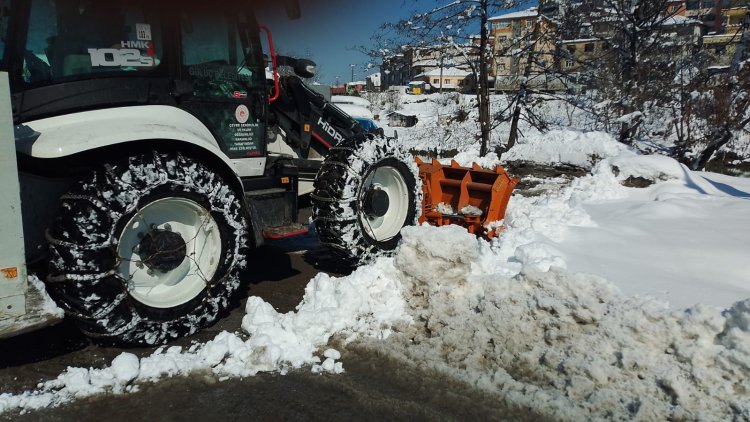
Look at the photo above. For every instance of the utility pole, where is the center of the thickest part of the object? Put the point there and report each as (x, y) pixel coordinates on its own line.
(442, 58)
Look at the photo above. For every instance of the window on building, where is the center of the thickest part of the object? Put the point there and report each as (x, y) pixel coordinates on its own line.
(436, 81)
(446, 81)
(569, 64)
(500, 25)
(571, 48)
(588, 47)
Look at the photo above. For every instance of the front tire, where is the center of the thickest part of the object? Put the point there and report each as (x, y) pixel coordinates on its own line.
(147, 250)
(365, 192)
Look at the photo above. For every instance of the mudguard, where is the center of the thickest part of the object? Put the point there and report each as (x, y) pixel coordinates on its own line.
(69, 134)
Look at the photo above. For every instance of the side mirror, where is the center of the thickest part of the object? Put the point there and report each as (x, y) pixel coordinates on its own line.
(305, 68)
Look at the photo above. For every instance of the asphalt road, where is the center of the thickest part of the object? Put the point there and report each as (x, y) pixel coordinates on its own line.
(372, 388)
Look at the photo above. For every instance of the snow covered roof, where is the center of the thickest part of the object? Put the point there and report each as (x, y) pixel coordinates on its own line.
(528, 13)
(680, 20)
(444, 86)
(579, 40)
(447, 71)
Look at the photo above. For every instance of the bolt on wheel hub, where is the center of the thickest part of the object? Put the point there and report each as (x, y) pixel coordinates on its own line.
(162, 250)
(376, 202)
(169, 251)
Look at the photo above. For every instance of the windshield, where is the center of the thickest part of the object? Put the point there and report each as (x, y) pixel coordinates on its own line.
(73, 39)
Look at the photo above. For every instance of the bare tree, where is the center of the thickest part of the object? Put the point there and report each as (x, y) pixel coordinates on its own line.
(639, 67)
(717, 106)
(452, 26)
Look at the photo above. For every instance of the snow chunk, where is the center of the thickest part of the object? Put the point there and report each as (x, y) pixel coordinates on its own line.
(126, 367)
(471, 210)
(444, 208)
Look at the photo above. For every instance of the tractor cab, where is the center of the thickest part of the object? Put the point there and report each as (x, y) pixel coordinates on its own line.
(68, 56)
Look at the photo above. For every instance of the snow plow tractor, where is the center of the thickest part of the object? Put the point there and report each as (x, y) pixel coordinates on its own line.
(143, 171)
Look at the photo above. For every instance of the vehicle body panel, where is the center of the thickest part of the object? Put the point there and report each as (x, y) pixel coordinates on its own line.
(70, 134)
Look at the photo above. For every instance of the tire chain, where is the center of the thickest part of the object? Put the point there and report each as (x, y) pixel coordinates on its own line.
(335, 212)
(70, 284)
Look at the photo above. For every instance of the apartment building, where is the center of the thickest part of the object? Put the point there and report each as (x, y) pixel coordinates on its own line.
(513, 35)
(412, 63)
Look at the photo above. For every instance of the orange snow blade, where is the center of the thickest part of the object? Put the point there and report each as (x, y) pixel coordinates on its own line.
(470, 197)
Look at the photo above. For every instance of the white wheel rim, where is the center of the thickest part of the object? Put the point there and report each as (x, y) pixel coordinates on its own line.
(391, 181)
(202, 238)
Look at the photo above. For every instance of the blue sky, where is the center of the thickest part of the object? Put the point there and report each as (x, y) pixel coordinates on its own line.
(328, 32)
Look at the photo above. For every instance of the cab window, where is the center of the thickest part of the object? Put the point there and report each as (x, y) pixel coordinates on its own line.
(74, 39)
(219, 54)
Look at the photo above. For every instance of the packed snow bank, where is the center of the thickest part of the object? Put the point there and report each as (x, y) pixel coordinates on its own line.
(567, 346)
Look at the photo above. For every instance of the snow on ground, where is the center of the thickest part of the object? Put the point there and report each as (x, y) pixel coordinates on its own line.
(682, 240)
(567, 346)
(598, 301)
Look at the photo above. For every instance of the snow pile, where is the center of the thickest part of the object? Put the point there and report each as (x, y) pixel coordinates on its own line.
(569, 347)
(366, 303)
(583, 149)
(650, 167)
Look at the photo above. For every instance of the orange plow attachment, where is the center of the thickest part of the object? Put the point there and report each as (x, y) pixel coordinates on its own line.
(469, 197)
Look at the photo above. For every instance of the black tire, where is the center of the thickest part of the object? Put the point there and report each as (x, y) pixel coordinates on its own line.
(90, 265)
(343, 203)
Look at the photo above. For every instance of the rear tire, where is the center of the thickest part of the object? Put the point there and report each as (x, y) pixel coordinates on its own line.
(147, 250)
(366, 191)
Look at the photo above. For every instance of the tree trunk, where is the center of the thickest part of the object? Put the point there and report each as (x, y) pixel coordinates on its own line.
(699, 163)
(523, 87)
(484, 91)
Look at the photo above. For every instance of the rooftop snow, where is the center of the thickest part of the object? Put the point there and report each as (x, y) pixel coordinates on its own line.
(528, 13)
(446, 71)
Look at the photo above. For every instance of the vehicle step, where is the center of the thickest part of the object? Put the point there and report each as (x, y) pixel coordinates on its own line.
(266, 192)
(282, 232)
